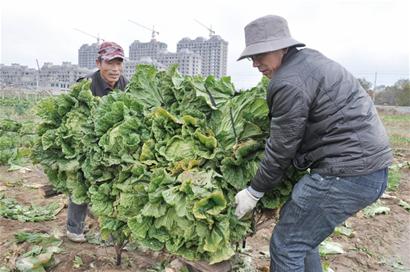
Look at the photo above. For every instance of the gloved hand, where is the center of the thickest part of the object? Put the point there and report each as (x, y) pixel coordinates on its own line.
(245, 202)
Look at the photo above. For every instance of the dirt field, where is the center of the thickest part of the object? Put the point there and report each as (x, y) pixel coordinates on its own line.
(379, 244)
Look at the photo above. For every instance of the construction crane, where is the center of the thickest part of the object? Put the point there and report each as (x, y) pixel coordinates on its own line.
(153, 32)
(211, 31)
(88, 34)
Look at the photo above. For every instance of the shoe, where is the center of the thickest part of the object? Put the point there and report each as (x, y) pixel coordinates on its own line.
(77, 238)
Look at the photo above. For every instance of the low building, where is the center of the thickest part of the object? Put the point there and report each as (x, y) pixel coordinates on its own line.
(18, 76)
(50, 76)
(61, 76)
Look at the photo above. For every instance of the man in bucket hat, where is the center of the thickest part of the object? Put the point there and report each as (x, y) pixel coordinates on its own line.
(108, 77)
(321, 119)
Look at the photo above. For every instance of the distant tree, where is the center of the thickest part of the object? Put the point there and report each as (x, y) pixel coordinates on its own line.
(367, 85)
(403, 92)
(385, 97)
(396, 95)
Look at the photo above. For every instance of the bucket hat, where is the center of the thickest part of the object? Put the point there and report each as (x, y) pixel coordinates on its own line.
(267, 34)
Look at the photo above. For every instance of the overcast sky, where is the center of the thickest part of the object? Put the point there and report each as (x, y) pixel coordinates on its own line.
(365, 36)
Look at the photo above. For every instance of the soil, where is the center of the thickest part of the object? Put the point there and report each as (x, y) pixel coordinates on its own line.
(380, 243)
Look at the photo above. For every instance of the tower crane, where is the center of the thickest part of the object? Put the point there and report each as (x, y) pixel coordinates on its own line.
(211, 31)
(88, 34)
(153, 31)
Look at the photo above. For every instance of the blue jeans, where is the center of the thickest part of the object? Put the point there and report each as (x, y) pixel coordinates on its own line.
(76, 216)
(317, 205)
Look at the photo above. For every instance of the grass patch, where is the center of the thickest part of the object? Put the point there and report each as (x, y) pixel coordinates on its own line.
(397, 127)
(394, 179)
(395, 117)
(399, 139)
(395, 175)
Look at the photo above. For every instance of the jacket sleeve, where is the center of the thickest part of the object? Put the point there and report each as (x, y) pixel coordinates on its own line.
(289, 110)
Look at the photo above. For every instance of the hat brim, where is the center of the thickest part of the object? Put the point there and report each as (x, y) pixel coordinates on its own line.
(113, 57)
(268, 46)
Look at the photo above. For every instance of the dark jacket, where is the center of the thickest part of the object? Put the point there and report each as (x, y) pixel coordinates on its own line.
(100, 88)
(322, 119)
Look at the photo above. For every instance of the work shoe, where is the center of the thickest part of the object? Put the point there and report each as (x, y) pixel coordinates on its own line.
(77, 238)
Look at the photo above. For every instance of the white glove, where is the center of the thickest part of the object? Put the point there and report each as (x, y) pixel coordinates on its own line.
(245, 202)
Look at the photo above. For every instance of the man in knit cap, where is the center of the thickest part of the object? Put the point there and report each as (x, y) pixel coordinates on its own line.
(108, 77)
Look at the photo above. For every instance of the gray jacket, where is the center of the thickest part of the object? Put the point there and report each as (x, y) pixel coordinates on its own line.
(322, 119)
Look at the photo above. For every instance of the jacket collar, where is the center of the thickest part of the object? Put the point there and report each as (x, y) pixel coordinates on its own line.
(291, 52)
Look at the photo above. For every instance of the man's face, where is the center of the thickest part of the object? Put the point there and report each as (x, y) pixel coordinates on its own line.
(110, 70)
(268, 63)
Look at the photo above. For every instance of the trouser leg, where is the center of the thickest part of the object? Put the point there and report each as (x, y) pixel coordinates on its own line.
(312, 261)
(317, 205)
(76, 216)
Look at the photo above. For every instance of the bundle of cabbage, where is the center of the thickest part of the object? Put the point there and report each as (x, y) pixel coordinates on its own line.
(65, 133)
(166, 158)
